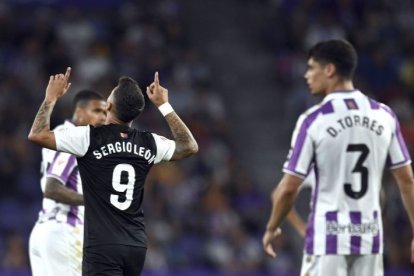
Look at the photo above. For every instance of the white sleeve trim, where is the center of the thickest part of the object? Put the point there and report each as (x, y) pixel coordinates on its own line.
(73, 140)
(60, 180)
(294, 173)
(396, 166)
(165, 148)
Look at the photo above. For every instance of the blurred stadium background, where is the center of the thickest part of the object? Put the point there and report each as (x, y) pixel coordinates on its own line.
(234, 70)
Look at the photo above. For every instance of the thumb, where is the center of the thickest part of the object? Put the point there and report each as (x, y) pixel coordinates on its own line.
(278, 232)
(149, 94)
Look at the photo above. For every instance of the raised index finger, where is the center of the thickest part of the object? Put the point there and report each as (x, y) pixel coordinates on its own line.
(156, 79)
(67, 74)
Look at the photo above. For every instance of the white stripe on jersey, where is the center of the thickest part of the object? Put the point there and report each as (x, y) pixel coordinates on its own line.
(60, 164)
(348, 138)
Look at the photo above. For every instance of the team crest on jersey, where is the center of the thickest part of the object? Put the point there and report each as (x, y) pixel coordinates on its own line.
(351, 104)
(124, 135)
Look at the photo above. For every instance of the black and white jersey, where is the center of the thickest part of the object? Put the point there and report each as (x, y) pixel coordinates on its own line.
(114, 161)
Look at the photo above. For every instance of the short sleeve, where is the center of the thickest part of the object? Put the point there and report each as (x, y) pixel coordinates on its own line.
(398, 155)
(300, 156)
(165, 148)
(62, 166)
(73, 140)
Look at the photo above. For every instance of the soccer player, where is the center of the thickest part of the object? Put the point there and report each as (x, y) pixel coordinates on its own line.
(55, 244)
(349, 138)
(114, 161)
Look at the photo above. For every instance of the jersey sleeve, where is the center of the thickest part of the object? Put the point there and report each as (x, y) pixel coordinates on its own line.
(73, 140)
(62, 167)
(165, 148)
(398, 154)
(300, 156)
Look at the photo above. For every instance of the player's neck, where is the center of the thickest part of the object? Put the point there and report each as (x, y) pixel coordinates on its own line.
(110, 119)
(75, 120)
(340, 85)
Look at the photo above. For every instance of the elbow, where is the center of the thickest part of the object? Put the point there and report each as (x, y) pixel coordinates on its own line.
(50, 193)
(184, 150)
(51, 190)
(193, 147)
(32, 137)
(36, 138)
(190, 148)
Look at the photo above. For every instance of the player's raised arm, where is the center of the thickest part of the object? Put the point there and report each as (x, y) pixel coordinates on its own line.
(186, 145)
(40, 132)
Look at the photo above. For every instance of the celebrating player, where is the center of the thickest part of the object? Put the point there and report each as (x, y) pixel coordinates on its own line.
(114, 161)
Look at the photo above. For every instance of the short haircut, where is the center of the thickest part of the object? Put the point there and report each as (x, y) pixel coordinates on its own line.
(83, 97)
(128, 99)
(341, 53)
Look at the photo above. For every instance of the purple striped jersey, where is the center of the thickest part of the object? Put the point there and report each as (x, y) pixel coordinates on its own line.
(64, 168)
(348, 139)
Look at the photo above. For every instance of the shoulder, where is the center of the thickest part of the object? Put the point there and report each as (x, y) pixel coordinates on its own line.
(381, 106)
(99, 130)
(312, 113)
(59, 127)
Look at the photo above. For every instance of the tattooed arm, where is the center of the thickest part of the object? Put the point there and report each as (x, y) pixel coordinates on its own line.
(40, 132)
(185, 143)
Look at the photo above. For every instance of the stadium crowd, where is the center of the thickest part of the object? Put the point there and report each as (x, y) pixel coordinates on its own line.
(204, 214)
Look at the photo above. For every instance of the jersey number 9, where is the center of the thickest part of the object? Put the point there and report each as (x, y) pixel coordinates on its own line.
(127, 188)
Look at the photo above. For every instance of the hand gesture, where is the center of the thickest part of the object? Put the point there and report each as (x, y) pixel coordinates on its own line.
(156, 93)
(58, 85)
(268, 238)
(412, 251)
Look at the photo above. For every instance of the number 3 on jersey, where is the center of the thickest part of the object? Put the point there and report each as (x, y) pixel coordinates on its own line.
(359, 168)
(127, 188)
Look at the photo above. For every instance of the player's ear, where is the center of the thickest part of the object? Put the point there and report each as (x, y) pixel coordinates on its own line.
(108, 106)
(330, 69)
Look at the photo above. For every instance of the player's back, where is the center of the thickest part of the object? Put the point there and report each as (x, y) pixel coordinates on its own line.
(113, 172)
(353, 136)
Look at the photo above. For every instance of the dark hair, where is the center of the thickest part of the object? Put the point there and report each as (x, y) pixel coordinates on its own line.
(83, 97)
(128, 99)
(340, 53)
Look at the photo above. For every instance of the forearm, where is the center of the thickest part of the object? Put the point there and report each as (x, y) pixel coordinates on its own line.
(60, 193)
(282, 203)
(186, 145)
(407, 194)
(405, 182)
(40, 132)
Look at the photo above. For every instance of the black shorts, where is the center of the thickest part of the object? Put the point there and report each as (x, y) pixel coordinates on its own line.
(113, 260)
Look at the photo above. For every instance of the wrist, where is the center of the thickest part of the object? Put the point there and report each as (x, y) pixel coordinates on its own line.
(165, 109)
(50, 101)
(271, 229)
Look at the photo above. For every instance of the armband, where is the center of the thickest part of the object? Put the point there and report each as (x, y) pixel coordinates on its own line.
(165, 109)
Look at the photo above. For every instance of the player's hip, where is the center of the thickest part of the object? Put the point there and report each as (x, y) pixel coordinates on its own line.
(342, 265)
(56, 234)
